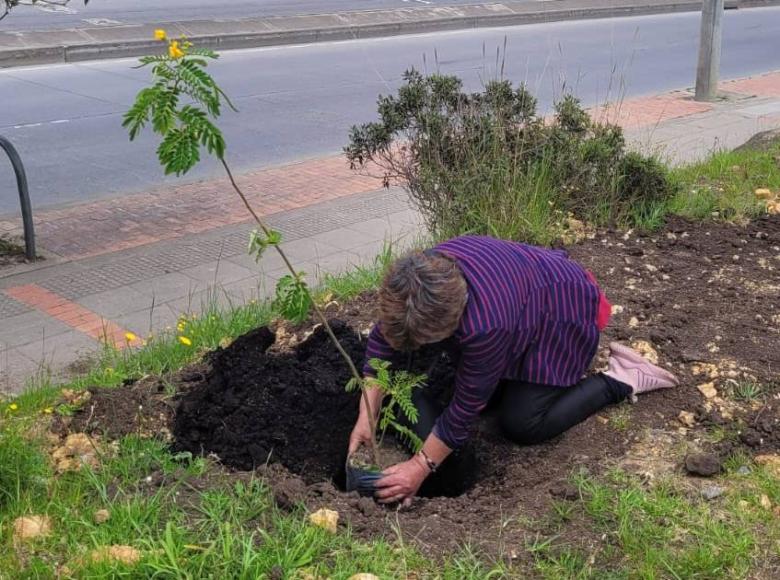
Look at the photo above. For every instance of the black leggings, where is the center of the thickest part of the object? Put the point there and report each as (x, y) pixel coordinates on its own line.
(531, 413)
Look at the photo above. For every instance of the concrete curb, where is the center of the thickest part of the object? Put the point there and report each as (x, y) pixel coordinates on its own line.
(43, 47)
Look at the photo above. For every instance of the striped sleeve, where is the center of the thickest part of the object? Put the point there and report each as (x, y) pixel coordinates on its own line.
(377, 347)
(482, 365)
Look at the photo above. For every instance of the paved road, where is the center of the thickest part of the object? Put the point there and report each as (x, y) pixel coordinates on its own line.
(108, 12)
(300, 101)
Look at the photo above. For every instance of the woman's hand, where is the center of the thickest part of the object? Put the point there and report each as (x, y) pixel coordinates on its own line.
(402, 481)
(361, 433)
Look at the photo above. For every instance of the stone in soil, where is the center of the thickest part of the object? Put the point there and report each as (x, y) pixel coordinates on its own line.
(703, 464)
(711, 492)
(564, 490)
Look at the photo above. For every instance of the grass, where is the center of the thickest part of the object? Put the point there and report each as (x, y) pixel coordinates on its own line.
(8, 248)
(723, 185)
(10, 253)
(663, 530)
(229, 530)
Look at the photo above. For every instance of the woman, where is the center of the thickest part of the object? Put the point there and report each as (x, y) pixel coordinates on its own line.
(523, 317)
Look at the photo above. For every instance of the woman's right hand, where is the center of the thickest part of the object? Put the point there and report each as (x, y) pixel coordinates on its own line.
(361, 434)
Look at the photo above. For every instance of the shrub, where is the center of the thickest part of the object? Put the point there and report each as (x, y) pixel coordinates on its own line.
(487, 163)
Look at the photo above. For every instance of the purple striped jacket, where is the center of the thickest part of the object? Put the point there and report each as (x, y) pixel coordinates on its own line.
(531, 316)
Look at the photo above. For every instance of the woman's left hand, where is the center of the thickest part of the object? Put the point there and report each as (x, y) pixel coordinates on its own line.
(401, 481)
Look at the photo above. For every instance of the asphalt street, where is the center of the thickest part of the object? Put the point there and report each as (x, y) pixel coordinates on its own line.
(299, 101)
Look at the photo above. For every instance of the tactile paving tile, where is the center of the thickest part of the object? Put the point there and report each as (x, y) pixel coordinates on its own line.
(10, 307)
(179, 255)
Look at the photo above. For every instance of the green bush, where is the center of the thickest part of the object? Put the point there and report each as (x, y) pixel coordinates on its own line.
(487, 163)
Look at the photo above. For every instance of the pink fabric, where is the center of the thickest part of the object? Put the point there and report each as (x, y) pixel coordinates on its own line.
(605, 307)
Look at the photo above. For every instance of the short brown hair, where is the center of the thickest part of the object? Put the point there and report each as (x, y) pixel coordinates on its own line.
(421, 300)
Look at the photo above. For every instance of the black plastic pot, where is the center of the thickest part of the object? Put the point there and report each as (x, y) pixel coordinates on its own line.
(362, 480)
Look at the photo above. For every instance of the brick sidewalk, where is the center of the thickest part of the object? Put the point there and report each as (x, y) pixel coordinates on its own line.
(135, 263)
(136, 220)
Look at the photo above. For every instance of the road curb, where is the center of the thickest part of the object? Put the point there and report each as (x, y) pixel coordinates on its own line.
(27, 48)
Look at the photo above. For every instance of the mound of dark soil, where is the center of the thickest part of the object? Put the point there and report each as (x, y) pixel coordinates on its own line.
(259, 404)
(255, 406)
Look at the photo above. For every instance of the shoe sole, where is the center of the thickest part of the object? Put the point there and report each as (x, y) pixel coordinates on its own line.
(638, 359)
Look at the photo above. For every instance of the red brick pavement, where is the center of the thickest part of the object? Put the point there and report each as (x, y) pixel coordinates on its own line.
(134, 220)
(767, 85)
(649, 111)
(72, 314)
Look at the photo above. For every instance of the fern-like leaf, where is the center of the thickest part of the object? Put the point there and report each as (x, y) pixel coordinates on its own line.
(293, 299)
(408, 436)
(138, 115)
(179, 151)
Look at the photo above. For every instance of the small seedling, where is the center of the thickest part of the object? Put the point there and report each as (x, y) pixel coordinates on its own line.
(562, 511)
(397, 388)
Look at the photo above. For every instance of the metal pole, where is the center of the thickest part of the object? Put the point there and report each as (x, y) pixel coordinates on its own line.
(708, 71)
(24, 198)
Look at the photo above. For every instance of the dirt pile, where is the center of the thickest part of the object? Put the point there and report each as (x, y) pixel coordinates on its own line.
(257, 405)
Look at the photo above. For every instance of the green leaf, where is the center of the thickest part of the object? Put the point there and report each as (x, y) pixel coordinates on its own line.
(207, 134)
(179, 151)
(406, 434)
(259, 242)
(164, 110)
(199, 85)
(138, 115)
(293, 299)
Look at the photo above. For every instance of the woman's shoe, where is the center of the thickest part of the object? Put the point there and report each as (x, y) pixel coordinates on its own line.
(637, 372)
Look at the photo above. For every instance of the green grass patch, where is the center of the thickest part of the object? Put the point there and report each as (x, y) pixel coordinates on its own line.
(723, 185)
(199, 523)
(664, 529)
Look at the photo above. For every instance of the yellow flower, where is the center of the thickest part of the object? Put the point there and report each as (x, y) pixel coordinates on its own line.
(13, 407)
(185, 341)
(174, 51)
(130, 337)
(48, 410)
(160, 34)
(181, 326)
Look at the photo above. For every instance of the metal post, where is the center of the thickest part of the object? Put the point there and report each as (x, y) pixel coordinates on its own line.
(24, 198)
(708, 70)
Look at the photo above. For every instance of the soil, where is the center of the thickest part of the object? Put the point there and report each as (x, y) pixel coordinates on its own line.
(257, 406)
(700, 298)
(143, 408)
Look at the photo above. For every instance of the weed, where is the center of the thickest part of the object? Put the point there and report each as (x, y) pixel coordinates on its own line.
(620, 417)
(746, 391)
